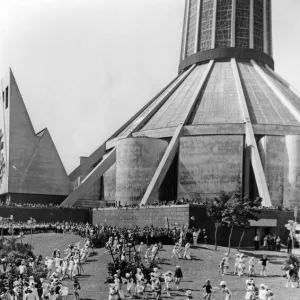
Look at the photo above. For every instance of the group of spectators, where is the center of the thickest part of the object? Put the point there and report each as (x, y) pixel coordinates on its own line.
(36, 205)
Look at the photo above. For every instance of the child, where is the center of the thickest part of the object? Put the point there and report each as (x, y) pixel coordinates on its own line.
(222, 266)
(174, 251)
(76, 287)
(251, 264)
(236, 264)
(241, 265)
(225, 290)
(264, 262)
(262, 294)
(168, 279)
(291, 276)
(269, 294)
(250, 293)
(208, 290)
(113, 293)
(187, 251)
(178, 276)
(142, 288)
(139, 276)
(226, 264)
(189, 295)
(157, 289)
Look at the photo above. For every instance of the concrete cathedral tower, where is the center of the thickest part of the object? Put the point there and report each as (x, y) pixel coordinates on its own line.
(227, 122)
(31, 169)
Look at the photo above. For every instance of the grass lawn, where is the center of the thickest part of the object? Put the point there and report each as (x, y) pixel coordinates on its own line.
(204, 265)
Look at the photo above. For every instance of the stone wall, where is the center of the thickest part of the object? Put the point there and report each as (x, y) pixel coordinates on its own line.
(23, 214)
(209, 165)
(142, 216)
(195, 216)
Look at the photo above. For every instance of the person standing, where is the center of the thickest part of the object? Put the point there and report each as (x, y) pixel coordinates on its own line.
(278, 244)
(256, 242)
(289, 245)
(273, 242)
(205, 236)
(195, 237)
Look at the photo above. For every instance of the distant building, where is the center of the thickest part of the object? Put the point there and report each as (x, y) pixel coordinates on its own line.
(31, 169)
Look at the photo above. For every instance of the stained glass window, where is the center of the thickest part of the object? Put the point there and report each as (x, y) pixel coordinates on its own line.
(259, 25)
(242, 24)
(191, 38)
(269, 29)
(206, 24)
(223, 23)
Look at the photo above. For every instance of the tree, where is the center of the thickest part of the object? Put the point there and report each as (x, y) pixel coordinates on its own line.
(239, 211)
(216, 209)
(234, 211)
(251, 211)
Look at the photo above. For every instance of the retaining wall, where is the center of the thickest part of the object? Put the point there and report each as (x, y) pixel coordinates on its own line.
(23, 214)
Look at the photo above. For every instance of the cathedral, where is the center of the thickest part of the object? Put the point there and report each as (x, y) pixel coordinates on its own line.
(226, 122)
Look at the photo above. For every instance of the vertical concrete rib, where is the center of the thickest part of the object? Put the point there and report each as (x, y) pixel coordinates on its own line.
(233, 20)
(172, 149)
(285, 83)
(251, 142)
(271, 31)
(214, 25)
(293, 110)
(197, 37)
(251, 42)
(265, 28)
(187, 18)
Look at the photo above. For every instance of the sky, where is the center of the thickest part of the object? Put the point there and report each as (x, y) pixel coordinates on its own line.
(85, 66)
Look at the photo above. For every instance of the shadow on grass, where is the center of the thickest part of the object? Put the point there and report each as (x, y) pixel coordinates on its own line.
(201, 247)
(253, 254)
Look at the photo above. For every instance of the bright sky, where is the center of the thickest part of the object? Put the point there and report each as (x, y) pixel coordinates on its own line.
(85, 66)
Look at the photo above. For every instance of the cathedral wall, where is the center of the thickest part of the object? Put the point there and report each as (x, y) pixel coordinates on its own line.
(109, 184)
(292, 171)
(136, 163)
(209, 165)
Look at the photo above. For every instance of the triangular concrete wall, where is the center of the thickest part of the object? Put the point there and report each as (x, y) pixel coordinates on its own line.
(34, 165)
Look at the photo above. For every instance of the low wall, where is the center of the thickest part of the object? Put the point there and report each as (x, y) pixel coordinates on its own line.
(142, 216)
(195, 216)
(23, 214)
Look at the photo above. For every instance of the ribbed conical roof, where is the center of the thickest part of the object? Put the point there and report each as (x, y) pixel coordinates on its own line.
(218, 102)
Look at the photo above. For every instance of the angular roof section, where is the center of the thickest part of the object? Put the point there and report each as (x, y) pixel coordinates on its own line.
(218, 102)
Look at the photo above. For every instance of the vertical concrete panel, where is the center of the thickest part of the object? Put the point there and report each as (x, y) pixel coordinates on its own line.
(272, 153)
(109, 184)
(209, 165)
(292, 172)
(137, 160)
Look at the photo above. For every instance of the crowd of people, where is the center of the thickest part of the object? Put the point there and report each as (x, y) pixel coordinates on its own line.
(36, 205)
(42, 279)
(138, 283)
